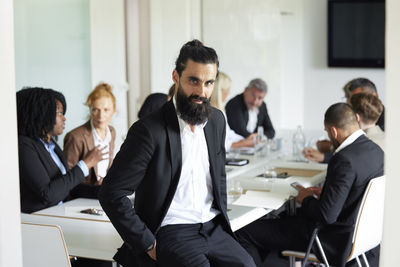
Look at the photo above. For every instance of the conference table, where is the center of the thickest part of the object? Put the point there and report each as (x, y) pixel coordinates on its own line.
(94, 237)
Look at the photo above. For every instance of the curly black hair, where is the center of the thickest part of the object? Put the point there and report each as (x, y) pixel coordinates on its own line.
(36, 111)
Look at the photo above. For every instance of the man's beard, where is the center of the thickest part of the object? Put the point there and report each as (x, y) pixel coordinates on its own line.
(192, 113)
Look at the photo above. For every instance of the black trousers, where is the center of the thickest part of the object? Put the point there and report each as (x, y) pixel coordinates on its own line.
(201, 244)
(265, 235)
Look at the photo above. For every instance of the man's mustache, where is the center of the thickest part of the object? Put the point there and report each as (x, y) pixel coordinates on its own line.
(197, 97)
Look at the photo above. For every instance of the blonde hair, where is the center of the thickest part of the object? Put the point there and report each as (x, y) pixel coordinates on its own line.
(101, 90)
(222, 83)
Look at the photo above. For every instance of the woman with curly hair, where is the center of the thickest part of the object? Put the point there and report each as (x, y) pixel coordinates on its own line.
(45, 178)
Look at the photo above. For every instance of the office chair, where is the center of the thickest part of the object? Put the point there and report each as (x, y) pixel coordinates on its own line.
(43, 245)
(367, 232)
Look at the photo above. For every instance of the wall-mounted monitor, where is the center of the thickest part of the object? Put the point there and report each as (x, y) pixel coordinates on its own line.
(356, 33)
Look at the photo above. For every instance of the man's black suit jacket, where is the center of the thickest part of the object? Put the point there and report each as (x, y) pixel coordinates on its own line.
(238, 116)
(149, 164)
(41, 183)
(348, 174)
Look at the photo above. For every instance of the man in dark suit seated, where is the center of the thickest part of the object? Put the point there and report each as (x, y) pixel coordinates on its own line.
(174, 161)
(247, 111)
(334, 208)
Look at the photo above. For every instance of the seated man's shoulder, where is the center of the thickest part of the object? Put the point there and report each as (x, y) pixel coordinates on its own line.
(363, 150)
(235, 100)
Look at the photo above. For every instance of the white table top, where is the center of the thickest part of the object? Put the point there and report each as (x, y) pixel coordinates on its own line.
(93, 236)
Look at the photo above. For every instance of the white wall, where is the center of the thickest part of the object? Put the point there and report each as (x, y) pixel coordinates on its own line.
(172, 23)
(323, 85)
(246, 36)
(281, 41)
(108, 57)
(52, 49)
(10, 227)
(391, 230)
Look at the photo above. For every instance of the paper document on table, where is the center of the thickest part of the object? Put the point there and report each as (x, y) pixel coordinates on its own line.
(240, 216)
(269, 200)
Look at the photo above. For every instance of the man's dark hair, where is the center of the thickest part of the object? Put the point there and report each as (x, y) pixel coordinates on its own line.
(36, 111)
(340, 115)
(366, 85)
(196, 51)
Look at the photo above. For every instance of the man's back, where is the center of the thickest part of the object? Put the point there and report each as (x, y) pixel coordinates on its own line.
(349, 172)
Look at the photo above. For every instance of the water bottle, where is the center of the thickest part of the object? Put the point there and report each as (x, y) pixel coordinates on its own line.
(299, 141)
(260, 143)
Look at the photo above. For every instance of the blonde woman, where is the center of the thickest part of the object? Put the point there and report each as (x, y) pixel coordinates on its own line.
(95, 133)
(220, 94)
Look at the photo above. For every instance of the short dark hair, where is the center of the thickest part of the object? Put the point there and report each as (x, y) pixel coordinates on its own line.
(196, 51)
(36, 111)
(368, 106)
(340, 115)
(366, 85)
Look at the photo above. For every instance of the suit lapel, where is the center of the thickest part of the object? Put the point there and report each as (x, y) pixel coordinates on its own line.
(211, 137)
(47, 159)
(245, 110)
(175, 148)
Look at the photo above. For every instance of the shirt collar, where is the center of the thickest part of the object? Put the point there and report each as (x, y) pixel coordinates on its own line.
(96, 135)
(49, 146)
(254, 110)
(183, 125)
(349, 140)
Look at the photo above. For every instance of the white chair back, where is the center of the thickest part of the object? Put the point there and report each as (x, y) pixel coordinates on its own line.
(369, 224)
(44, 246)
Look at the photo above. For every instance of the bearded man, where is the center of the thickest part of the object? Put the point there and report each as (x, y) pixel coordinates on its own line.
(174, 162)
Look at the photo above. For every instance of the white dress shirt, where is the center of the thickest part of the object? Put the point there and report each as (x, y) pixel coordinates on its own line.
(349, 140)
(253, 119)
(192, 202)
(103, 164)
(231, 137)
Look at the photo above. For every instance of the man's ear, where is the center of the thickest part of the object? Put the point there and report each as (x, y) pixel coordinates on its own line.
(358, 118)
(175, 77)
(334, 132)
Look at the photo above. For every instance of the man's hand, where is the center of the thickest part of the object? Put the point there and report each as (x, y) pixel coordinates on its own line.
(313, 155)
(317, 191)
(152, 252)
(303, 193)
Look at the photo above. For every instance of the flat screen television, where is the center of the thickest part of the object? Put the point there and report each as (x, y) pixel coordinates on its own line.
(356, 33)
